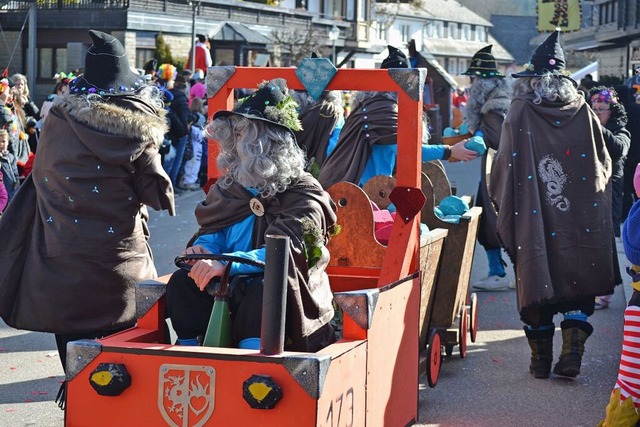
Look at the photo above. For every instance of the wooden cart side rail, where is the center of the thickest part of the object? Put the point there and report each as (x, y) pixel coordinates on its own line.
(455, 269)
(430, 261)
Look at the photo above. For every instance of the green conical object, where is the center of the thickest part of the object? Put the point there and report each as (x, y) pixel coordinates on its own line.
(219, 329)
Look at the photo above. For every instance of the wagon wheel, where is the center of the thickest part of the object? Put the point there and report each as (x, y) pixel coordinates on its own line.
(473, 316)
(464, 329)
(434, 357)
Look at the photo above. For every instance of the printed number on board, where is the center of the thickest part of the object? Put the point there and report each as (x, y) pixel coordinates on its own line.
(340, 412)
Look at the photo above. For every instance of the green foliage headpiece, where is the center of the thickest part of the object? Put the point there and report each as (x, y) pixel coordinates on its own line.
(270, 103)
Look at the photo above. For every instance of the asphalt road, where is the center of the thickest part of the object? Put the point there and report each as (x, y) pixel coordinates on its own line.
(490, 387)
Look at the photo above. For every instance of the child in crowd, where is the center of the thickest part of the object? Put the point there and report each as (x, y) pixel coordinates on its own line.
(9, 166)
(193, 154)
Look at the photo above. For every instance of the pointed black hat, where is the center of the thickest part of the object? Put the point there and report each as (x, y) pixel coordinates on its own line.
(483, 65)
(106, 69)
(548, 58)
(396, 59)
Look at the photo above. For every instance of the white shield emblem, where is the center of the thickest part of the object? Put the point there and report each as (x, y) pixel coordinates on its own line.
(186, 394)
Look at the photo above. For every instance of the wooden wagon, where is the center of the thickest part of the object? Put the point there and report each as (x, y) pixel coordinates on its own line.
(368, 378)
(455, 311)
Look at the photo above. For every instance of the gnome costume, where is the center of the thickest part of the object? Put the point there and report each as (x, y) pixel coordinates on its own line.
(322, 121)
(551, 184)
(368, 143)
(486, 108)
(77, 236)
(235, 219)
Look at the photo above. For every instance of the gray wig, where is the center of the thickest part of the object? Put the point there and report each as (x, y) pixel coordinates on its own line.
(256, 154)
(481, 91)
(548, 87)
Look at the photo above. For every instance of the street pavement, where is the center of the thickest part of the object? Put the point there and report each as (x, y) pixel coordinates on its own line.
(490, 387)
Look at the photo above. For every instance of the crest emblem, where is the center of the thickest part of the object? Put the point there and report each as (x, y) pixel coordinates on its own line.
(186, 394)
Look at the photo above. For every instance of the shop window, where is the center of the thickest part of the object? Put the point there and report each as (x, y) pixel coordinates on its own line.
(51, 60)
(143, 56)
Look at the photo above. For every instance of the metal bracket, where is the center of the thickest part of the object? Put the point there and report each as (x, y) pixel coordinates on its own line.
(218, 77)
(309, 371)
(411, 80)
(359, 305)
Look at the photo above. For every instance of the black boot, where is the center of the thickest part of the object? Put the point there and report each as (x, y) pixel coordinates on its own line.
(541, 343)
(574, 335)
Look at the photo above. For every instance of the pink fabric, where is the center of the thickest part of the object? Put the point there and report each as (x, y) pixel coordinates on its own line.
(636, 180)
(198, 90)
(383, 223)
(4, 196)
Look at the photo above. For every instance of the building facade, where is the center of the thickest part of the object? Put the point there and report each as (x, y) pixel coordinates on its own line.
(610, 29)
(239, 31)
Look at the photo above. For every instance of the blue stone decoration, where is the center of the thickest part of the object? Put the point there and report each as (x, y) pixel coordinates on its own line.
(411, 80)
(315, 74)
(217, 77)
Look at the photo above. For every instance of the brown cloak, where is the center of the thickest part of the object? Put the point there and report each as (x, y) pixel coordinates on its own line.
(551, 183)
(375, 121)
(318, 121)
(84, 219)
(309, 298)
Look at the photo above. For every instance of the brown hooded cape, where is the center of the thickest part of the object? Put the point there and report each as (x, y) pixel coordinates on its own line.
(318, 122)
(551, 183)
(375, 121)
(77, 233)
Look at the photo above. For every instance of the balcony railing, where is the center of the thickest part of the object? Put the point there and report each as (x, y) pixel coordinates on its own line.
(68, 4)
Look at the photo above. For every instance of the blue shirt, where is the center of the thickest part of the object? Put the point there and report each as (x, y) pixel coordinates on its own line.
(333, 139)
(382, 160)
(235, 240)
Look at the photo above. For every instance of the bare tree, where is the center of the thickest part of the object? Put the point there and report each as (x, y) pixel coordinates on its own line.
(386, 12)
(292, 45)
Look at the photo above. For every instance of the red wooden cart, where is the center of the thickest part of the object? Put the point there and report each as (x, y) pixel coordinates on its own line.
(368, 378)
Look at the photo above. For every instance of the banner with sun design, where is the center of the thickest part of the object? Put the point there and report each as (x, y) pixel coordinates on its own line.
(563, 14)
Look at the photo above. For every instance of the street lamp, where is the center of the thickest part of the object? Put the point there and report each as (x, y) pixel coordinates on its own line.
(194, 11)
(334, 33)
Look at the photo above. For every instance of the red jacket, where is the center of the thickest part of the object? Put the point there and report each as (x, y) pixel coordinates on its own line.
(203, 58)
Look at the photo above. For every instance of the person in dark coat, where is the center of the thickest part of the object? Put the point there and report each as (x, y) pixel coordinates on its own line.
(487, 106)
(8, 168)
(613, 118)
(551, 183)
(628, 100)
(264, 191)
(77, 235)
(179, 129)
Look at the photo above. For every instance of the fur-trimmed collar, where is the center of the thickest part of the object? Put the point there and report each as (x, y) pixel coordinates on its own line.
(134, 121)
